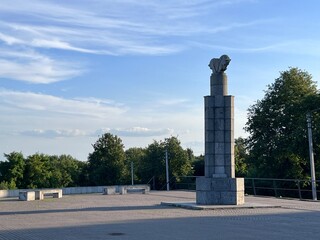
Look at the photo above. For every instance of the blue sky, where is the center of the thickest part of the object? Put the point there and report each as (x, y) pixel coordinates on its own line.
(72, 70)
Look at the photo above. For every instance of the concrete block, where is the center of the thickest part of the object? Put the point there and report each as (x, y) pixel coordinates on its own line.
(27, 195)
(219, 124)
(203, 183)
(219, 175)
(229, 112)
(56, 193)
(229, 101)
(219, 101)
(229, 159)
(229, 124)
(230, 171)
(220, 184)
(209, 124)
(228, 136)
(219, 136)
(217, 90)
(110, 190)
(237, 184)
(219, 113)
(208, 171)
(229, 149)
(209, 136)
(219, 148)
(209, 148)
(209, 159)
(209, 112)
(219, 170)
(122, 190)
(232, 198)
(208, 198)
(219, 160)
(209, 101)
(229, 198)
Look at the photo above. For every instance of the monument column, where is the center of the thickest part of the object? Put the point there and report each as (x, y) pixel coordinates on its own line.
(219, 185)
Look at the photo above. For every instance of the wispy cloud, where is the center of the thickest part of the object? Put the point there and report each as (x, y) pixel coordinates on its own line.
(53, 133)
(136, 132)
(32, 67)
(106, 27)
(126, 27)
(52, 104)
(172, 102)
(122, 132)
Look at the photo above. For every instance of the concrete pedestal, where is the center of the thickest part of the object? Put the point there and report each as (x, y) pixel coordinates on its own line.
(220, 191)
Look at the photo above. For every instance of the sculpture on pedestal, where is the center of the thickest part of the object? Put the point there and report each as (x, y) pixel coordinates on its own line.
(219, 185)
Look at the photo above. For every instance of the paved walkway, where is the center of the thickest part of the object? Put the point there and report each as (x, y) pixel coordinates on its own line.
(137, 216)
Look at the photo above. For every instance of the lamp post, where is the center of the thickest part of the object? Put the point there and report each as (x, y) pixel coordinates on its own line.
(167, 171)
(312, 169)
(132, 183)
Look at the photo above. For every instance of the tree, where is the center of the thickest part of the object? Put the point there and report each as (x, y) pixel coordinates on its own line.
(64, 171)
(154, 164)
(241, 157)
(136, 155)
(106, 164)
(12, 170)
(37, 172)
(277, 126)
(198, 165)
(180, 159)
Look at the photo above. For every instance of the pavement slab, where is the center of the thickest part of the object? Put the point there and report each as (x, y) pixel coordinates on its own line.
(141, 216)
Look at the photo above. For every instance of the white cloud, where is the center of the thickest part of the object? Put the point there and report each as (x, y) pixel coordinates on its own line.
(136, 132)
(172, 101)
(121, 132)
(105, 27)
(53, 133)
(48, 103)
(33, 67)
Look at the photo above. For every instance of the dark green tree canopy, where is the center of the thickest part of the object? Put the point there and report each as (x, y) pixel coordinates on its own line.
(277, 126)
(107, 161)
(153, 163)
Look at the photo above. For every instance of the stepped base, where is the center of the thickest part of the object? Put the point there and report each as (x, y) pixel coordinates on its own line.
(220, 191)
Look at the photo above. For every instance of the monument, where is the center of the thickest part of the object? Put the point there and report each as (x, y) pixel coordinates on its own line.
(219, 185)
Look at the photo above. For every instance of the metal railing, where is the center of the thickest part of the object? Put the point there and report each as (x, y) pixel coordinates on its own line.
(285, 188)
(288, 188)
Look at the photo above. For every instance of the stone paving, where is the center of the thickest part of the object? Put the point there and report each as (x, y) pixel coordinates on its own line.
(140, 216)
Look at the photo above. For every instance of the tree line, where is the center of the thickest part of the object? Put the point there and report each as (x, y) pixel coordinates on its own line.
(108, 164)
(277, 147)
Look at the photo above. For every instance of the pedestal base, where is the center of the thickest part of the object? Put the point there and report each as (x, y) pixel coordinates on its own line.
(220, 191)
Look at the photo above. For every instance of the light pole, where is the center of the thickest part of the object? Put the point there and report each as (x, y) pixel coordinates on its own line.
(132, 183)
(312, 169)
(167, 171)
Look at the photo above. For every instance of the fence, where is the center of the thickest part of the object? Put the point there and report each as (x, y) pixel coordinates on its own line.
(287, 188)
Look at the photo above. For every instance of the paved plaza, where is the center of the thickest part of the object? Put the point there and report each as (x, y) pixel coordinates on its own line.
(141, 216)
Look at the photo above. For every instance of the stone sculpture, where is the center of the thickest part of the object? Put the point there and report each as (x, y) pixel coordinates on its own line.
(219, 64)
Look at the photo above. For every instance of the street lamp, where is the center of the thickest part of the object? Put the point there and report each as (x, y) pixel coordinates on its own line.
(167, 171)
(312, 169)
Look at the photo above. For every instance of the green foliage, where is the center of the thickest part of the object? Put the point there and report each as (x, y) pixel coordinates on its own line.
(12, 170)
(136, 155)
(39, 171)
(106, 164)
(7, 185)
(277, 125)
(153, 162)
(241, 156)
(198, 166)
